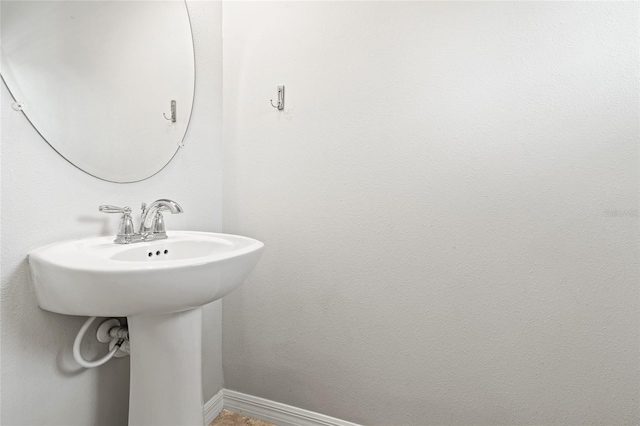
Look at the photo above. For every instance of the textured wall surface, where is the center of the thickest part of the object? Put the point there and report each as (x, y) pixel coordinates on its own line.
(449, 206)
(45, 199)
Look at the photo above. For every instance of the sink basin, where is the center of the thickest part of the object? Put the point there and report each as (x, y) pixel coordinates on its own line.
(160, 286)
(97, 277)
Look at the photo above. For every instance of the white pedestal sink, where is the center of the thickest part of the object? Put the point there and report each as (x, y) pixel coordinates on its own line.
(160, 286)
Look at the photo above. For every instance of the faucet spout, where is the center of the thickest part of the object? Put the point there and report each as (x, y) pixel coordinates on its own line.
(151, 212)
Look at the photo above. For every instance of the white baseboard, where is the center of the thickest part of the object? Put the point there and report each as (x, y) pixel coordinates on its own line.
(213, 407)
(275, 412)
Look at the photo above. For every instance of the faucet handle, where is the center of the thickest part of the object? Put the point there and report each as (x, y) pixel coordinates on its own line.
(158, 223)
(126, 229)
(113, 209)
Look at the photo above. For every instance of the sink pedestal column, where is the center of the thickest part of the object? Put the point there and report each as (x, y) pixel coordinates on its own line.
(166, 369)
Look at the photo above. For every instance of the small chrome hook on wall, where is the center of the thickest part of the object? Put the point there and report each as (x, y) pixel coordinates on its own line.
(173, 112)
(280, 105)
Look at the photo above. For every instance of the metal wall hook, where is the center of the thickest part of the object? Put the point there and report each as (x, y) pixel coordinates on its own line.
(173, 112)
(280, 105)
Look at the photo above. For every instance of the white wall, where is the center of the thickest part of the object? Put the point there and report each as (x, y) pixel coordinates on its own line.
(45, 199)
(444, 203)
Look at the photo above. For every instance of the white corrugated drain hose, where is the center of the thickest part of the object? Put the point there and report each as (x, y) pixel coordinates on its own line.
(76, 348)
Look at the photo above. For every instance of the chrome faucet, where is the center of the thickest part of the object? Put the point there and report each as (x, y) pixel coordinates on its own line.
(151, 223)
(152, 220)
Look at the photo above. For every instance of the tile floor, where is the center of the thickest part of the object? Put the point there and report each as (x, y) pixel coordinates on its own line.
(228, 418)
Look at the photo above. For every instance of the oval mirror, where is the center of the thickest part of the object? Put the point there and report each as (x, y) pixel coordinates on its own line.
(97, 79)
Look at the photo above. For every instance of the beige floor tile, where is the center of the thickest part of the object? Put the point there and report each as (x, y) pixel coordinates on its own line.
(228, 418)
